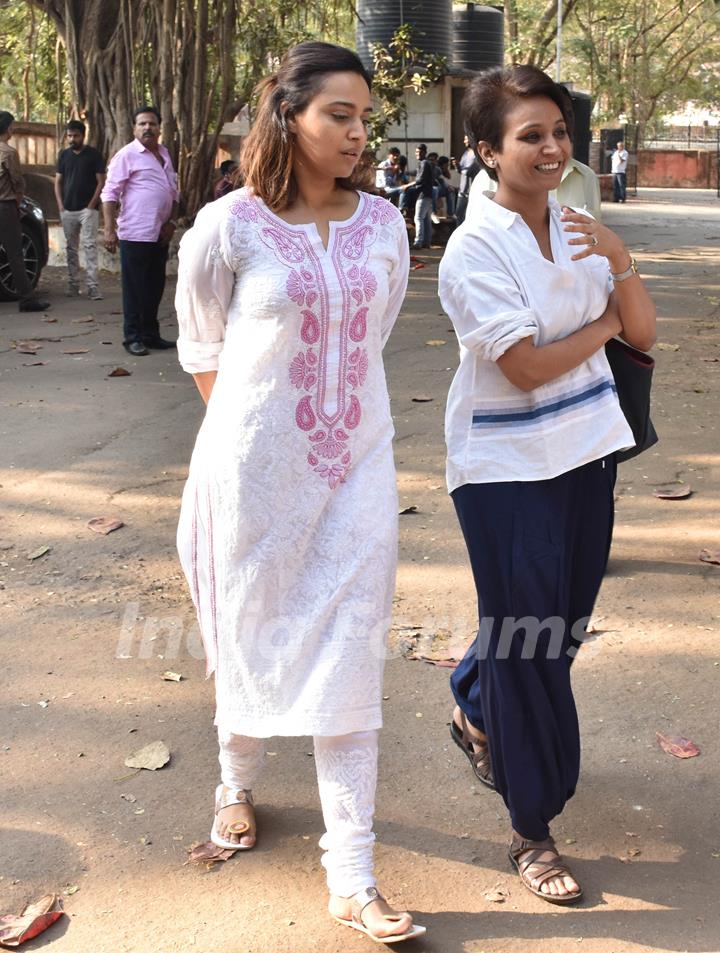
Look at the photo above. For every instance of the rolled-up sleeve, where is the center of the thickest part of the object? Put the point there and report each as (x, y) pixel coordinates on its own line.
(483, 301)
(204, 290)
(398, 278)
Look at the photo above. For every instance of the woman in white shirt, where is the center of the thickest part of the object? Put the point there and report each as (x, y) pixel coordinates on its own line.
(534, 291)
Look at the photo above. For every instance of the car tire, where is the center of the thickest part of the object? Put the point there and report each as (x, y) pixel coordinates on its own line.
(32, 253)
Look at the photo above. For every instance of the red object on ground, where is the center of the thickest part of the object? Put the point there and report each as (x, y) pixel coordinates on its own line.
(34, 920)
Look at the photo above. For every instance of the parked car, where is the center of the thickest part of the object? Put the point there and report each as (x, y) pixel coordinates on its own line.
(35, 249)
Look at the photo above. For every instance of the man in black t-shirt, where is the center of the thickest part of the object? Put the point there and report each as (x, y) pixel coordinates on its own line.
(78, 183)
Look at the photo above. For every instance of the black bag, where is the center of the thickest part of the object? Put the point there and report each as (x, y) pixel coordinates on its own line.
(633, 370)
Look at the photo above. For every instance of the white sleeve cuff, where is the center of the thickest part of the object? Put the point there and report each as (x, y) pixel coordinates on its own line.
(196, 357)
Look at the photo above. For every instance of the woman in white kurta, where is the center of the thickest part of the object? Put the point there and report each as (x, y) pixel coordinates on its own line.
(288, 528)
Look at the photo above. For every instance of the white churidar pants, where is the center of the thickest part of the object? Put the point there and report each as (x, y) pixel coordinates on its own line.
(347, 775)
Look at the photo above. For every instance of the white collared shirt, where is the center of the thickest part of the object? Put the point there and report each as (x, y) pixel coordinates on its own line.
(619, 160)
(497, 289)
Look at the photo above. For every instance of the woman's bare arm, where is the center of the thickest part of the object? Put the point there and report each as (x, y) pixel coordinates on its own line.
(205, 382)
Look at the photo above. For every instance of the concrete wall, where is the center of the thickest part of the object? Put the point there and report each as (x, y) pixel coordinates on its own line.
(677, 168)
(107, 262)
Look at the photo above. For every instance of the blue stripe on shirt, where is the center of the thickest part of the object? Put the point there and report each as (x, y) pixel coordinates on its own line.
(556, 407)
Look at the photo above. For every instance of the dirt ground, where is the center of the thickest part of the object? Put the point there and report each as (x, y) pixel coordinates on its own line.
(88, 628)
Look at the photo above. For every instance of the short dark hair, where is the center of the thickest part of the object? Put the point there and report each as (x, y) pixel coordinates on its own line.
(422, 147)
(443, 160)
(393, 151)
(75, 126)
(146, 109)
(227, 166)
(491, 95)
(432, 155)
(6, 120)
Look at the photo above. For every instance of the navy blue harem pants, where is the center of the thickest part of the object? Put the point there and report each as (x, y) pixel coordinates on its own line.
(538, 552)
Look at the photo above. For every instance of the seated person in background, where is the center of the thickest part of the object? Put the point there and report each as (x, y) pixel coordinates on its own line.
(227, 183)
(388, 173)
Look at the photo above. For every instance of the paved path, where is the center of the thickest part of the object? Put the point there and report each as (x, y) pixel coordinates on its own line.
(88, 628)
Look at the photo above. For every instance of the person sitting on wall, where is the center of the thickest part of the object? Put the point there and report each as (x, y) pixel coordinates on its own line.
(227, 182)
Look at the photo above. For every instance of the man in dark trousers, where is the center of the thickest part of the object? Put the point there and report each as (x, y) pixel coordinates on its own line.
(423, 188)
(141, 179)
(78, 183)
(12, 187)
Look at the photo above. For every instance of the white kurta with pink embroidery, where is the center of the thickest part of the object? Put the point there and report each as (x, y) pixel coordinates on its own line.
(288, 528)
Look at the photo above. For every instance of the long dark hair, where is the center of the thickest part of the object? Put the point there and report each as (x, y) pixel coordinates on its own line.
(491, 95)
(266, 161)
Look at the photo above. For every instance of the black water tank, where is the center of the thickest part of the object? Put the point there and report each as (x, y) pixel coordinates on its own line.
(431, 21)
(477, 37)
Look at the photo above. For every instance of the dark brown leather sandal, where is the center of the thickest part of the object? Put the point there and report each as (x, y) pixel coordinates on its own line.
(478, 756)
(533, 869)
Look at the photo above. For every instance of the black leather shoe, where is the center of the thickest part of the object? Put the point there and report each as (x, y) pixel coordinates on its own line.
(159, 344)
(35, 304)
(135, 347)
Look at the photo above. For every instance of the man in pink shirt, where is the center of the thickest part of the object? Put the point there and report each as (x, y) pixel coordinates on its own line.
(142, 182)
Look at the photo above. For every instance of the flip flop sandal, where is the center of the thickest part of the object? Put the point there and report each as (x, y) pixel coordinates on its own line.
(480, 760)
(239, 827)
(544, 869)
(363, 899)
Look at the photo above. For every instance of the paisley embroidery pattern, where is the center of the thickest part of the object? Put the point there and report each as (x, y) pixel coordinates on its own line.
(328, 430)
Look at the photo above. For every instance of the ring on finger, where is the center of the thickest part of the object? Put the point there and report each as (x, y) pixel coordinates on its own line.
(594, 240)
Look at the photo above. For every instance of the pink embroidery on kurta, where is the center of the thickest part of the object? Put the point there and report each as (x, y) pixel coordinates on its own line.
(329, 455)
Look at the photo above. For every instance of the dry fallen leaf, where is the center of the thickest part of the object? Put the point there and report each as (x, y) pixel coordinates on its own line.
(27, 347)
(421, 399)
(681, 492)
(151, 757)
(37, 553)
(496, 896)
(104, 524)
(677, 746)
(34, 920)
(207, 854)
(408, 509)
(86, 320)
(34, 363)
(172, 676)
(662, 346)
(76, 350)
(435, 343)
(119, 372)
(130, 798)
(708, 556)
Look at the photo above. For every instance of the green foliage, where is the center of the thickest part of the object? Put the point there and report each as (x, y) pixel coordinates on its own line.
(637, 59)
(28, 62)
(398, 67)
(270, 27)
